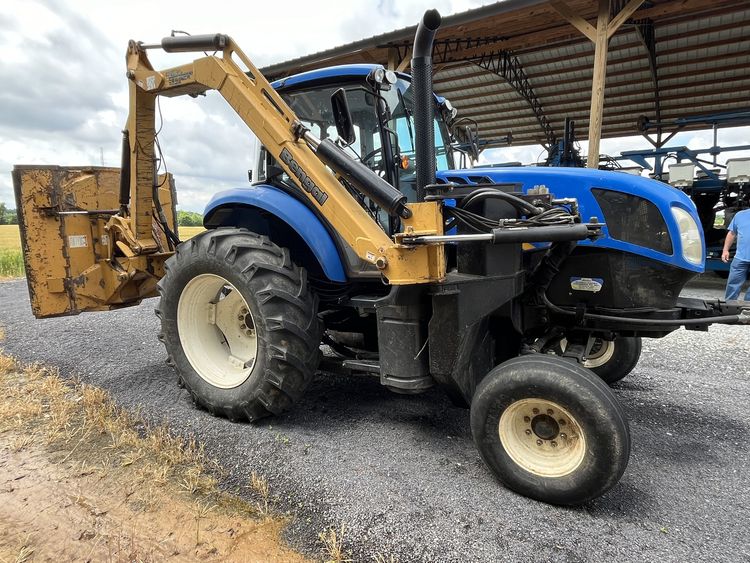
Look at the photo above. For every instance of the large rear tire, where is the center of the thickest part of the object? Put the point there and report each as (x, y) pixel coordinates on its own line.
(239, 323)
(550, 429)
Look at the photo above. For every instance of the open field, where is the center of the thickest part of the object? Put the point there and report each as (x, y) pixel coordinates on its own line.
(189, 232)
(10, 239)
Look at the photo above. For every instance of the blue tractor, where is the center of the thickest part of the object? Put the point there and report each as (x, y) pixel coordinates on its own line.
(521, 292)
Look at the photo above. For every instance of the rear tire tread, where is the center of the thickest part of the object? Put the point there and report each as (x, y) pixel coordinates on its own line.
(268, 269)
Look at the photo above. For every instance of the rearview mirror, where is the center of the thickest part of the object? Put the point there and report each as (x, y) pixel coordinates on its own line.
(343, 117)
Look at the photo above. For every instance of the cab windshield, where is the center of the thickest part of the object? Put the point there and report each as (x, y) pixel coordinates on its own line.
(313, 108)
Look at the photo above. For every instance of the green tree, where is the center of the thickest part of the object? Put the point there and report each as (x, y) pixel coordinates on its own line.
(189, 219)
(7, 216)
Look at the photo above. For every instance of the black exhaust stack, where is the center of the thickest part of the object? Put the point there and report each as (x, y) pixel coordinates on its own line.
(424, 102)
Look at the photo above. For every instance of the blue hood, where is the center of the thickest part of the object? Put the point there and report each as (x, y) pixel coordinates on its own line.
(578, 183)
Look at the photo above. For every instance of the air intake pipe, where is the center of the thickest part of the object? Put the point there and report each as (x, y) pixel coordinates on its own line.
(424, 101)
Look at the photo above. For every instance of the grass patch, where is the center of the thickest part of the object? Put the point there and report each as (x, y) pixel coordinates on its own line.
(11, 264)
(11, 259)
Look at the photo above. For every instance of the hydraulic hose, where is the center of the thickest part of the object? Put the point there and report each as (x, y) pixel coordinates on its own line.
(424, 100)
(125, 172)
(492, 193)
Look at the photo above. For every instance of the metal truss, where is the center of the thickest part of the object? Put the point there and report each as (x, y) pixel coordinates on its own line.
(647, 37)
(507, 65)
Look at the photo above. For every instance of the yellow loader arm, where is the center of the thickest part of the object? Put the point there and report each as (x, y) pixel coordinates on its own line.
(297, 151)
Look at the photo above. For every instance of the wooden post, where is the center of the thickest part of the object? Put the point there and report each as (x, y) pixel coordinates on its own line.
(600, 37)
(392, 58)
(597, 86)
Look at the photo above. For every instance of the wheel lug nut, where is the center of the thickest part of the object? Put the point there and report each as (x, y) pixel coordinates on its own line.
(549, 412)
(538, 442)
(562, 422)
(528, 432)
(242, 326)
(553, 444)
(535, 411)
(563, 435)
(526, 419)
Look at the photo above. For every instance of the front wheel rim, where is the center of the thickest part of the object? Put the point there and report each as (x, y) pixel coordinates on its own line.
(542, 437)
(217, 331)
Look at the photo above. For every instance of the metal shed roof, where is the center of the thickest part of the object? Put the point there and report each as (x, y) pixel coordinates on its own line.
(520, 66)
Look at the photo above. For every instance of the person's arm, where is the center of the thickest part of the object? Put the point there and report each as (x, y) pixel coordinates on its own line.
(728, 242)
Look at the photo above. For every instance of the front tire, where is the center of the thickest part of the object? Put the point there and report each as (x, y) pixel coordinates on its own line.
(550, 429)
(612, 360)
(615, 358)
(239, 323)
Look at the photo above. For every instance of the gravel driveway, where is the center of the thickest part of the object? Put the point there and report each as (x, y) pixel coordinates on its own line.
(402, 472)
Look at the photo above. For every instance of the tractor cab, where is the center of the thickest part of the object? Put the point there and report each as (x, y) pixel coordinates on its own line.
(381, 105)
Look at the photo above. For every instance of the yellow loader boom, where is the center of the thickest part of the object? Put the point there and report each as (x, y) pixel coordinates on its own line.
(298, 152)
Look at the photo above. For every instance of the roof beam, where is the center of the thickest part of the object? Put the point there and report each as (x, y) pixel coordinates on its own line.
(574, 19)
(620, 18)
(605, 28)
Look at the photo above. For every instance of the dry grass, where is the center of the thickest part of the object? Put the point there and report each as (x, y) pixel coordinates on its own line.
(260, 487)
(83, 430)
(189, 232)
(25, 550)
(333, 545)
(10, 237)
(45, 407)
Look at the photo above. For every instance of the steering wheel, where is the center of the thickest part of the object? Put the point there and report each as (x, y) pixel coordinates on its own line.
(371, 155)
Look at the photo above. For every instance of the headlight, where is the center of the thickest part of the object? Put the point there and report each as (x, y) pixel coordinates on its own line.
(690, 236)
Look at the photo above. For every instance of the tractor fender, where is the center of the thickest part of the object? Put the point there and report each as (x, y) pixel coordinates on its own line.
(234, 207)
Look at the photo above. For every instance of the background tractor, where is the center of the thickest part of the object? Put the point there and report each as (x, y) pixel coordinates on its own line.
(502, 286)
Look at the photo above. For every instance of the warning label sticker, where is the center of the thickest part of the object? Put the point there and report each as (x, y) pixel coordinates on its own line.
(594, 285)
(77, 241)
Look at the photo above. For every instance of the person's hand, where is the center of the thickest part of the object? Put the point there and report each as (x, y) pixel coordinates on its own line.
(725, 256)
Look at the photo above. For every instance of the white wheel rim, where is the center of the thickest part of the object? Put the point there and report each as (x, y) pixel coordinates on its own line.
(542, 437)
(217, 331)
(601, 352)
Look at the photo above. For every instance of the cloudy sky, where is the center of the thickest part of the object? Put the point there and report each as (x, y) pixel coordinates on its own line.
(63, 98)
